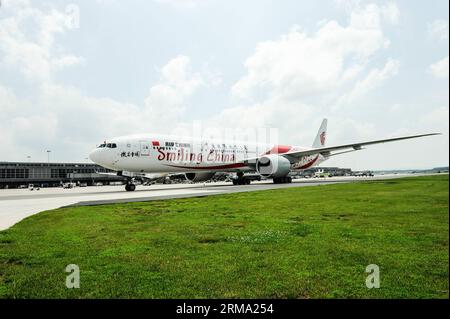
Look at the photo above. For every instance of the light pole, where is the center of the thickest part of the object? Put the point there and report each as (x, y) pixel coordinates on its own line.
(48, 157)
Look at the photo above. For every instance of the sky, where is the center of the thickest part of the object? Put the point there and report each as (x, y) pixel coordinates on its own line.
(74, 73)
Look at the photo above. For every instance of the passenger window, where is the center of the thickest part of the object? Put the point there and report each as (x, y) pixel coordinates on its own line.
(114, 145)
(108, 145)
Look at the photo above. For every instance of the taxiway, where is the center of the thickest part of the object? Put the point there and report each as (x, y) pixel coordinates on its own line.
(17, 204)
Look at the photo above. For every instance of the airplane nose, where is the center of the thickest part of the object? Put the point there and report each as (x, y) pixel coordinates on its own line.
(95, 156)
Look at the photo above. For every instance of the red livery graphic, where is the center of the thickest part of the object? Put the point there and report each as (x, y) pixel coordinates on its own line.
(279, 149)
(322, 138)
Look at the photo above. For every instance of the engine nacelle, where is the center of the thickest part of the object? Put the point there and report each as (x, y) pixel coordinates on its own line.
(273, 166)
(199, 177)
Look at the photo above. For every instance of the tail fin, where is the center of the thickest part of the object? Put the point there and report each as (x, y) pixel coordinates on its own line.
(321, 135)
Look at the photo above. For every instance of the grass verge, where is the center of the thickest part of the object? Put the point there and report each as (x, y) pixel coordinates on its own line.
(306, 242)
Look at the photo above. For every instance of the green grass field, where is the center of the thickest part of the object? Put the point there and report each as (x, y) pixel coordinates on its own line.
(308, 242)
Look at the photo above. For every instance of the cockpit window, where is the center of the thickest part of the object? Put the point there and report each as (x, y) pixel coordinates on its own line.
(109, 145)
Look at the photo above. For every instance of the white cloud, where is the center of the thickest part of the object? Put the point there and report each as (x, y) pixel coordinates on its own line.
(372, 15)
(440, 68)
(177, 73)
(166, 100)
(68, 120)
(300, 64)
(391, 13)
(180, 3)
(374, 79)
(27, 40)
(65, 117)
(374, 12)
(439, 29)
(292, 81)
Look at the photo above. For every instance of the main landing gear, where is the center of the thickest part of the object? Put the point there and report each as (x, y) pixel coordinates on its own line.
(130, 186)
(241, 180)
(282, 180)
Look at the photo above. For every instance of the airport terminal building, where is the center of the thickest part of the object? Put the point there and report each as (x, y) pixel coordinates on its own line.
(15, 174)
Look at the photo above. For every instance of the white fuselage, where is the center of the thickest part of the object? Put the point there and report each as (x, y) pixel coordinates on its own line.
(170, 154)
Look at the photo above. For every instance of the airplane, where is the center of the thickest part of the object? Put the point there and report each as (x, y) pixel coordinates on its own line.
(199, 159)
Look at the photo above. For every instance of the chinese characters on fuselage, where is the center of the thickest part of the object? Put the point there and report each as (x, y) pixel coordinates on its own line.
(129, 154)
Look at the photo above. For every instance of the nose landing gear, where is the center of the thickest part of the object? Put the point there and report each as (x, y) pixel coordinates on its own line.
(130, 187)
(242, 179)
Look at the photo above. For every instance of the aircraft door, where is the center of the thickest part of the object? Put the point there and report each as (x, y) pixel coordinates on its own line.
(145, 149)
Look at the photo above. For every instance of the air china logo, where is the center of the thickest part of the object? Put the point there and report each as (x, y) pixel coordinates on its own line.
(322, 138)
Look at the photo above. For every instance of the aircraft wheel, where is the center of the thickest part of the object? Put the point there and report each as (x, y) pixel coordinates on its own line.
(282, 180)
(241, 181)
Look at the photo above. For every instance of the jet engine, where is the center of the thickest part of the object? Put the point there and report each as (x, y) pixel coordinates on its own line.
(199, 177)
(273, 166)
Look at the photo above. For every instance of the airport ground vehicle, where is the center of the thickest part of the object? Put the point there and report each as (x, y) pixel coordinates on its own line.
(32, 187)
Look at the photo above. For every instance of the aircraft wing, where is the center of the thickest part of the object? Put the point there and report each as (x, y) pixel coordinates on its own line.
(327, 151)
(355, 146)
